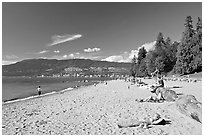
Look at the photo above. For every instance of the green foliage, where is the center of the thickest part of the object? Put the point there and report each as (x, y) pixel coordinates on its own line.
(160, 63)
(189, 55)
(163, 57)
(183, 58)
(141, 54)
(133, 69)
(142, 69)
(150, 62)
(197, 49)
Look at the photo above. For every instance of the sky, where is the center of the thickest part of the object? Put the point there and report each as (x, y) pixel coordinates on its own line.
(99, 31)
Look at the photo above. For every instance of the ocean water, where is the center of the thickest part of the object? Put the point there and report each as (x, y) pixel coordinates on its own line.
(21, 87)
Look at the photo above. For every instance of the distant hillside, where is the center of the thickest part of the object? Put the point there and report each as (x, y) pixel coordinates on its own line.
(37, 67)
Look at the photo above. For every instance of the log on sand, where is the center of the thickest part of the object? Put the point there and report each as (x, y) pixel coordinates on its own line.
(167, 94)
(189, 106)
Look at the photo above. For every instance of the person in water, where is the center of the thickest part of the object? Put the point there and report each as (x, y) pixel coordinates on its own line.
(39, 90)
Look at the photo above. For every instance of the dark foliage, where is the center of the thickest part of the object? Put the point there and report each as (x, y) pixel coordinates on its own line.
(189, 55)
(134, 67)
(182, 58)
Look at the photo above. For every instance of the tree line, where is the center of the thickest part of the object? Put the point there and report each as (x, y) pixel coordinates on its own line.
(184, 57)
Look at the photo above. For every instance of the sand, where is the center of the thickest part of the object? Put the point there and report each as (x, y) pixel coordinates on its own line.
(98, 110)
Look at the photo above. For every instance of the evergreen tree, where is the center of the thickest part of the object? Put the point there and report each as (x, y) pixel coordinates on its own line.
(199, 25)
(160, 45)
(184, 54)
(150, 62)
(189, 31)
(197, 48)
(160, 39)
(141, 54)
(160, 63)
(173, 51)
(133, 69)
(169, 55)
(168, 42)
(143, 68)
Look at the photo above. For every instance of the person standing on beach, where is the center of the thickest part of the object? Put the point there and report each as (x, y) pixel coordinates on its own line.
(39, 90)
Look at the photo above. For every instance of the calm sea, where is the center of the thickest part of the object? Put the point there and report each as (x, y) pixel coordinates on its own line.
(21, 87)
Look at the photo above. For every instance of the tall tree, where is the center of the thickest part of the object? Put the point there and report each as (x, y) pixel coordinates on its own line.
(184, 54)
(197, 48)
(189, 31)
(133, 69)
(142, 72)
(160, 44)
(141, 54)
(160, 39)
(168, 42)
(160, 63)
(150, 62)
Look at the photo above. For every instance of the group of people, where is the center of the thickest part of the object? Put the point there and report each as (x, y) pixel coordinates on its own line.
(157, 96)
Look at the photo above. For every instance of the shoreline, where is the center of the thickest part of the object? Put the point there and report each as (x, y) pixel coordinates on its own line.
(45, 94)
(18, 88)
(15, 100)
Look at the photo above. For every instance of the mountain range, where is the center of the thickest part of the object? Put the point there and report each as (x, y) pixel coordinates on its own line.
(50, 67)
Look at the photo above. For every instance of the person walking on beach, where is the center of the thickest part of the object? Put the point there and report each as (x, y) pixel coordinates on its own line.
(39, 90)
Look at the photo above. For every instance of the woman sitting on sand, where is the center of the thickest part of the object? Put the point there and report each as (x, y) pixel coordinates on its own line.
(160, 84)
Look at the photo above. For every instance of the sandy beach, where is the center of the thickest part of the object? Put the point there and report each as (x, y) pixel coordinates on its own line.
(98, 110)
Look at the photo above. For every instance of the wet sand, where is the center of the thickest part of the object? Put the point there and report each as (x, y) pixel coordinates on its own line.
(97, 110)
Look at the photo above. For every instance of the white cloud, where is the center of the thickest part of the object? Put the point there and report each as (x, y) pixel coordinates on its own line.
(7, 62)
(71, 55)
(125, 57)
(64, 56)
(92, 49)
(132, 53)
(42, 52)
(114, 58)
(11, 57)
(148, 46)
(56, 51)
(57, 39)
(128, 56)
(77, 53)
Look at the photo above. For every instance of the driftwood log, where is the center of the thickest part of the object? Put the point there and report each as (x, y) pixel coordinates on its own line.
(189, 106)
(186, 104)
(167, 94)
